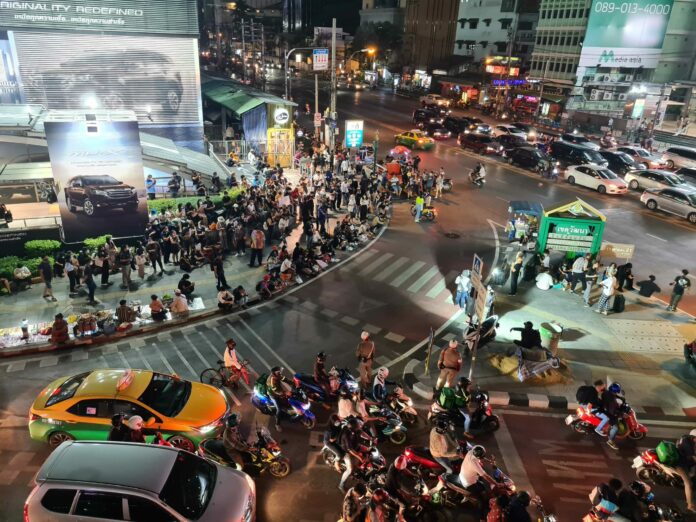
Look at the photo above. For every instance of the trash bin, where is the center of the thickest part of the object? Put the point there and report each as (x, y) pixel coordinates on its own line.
(550, 336)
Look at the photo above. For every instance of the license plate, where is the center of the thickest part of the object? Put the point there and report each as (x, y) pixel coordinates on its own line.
(637, 462)
(569, 420)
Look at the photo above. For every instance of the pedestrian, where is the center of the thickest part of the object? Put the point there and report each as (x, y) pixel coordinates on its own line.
(608, 289)
(577, 273)
(174, 185)
(90, 270)
(140, 260)
(366, 355)
(463, 283)
(104, 263)
(71, 271)
(449, 363)
(124, 260)
(46, 273)
(624, 277)
(218, 269)
(648, 287)
(154, 252)
(681, 285)
(150, 184)
(590, 281)
(419, 207)
(515, 270)
(439, 183)
(258, 240)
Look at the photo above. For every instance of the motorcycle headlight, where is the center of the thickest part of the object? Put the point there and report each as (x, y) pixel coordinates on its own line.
(305, 406)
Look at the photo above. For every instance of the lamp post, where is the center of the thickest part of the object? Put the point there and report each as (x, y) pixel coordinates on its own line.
(287, 70)
(367, 50)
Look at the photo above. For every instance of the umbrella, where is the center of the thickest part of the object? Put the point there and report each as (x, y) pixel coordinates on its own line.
(399, 149)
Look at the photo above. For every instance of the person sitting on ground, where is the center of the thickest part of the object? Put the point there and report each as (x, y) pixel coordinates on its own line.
(157, 309)
(5, 283)
(530, 336)
(125, 313)
(240, 296)
(544, 281)
(263, 287)
(22, 277)
(179, 306)
(225, 300)
(186, 287)
(648, 287)
(59, 330)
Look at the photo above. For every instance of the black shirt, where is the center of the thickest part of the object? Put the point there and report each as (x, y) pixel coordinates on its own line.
(349, 440)
(681, 283)
(46, 271)
(647, 288)
(588, 395)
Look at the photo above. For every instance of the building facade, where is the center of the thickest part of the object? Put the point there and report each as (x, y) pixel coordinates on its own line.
(429, 32)
(380, 11)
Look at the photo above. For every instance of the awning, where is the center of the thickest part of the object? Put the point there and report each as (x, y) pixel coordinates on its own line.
(554, 98)
(238, 98)
(531, 208)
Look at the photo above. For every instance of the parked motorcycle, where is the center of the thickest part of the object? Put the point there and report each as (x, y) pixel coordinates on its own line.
(482, 419)
(402, 405)
(427, 214)
(265, 455)
(338, 380)
(487, 333)
(391, 427)
(584, 421)
(299, 410)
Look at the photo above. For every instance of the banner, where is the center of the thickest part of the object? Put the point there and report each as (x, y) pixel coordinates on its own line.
(354, 133)
(625, 34)
(320, 59)
(98, 172)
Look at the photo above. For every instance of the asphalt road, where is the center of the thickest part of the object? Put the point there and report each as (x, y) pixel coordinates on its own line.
(397, 288)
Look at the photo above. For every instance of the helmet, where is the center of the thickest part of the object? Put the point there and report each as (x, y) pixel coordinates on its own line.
(638, 488)
(233, 421)
(379, 496)
(353, 423)
(693, 433)
(400, 463)
(383, 372)
(135, 422)
(524, 498)
(276, 369)
(117, 419)
(364, 336)
(463, 382)
(231, 343)
(334, 420)
(615, 387)
(321, 356)
(478, 451)
(441, 425)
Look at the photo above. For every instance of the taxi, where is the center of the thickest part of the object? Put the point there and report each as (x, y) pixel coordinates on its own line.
(414, 139)
(81, 407)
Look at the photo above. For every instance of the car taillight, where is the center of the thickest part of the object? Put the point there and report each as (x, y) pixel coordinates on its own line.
(489, 411)
(649, 456)
(26, 512)
(408, 453)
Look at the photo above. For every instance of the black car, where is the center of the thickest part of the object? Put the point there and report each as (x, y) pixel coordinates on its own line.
(423, 116)
(528, 157)
(480, 143)
(93, 193)
(511, 141)
(570, 154)
(620, 162)
(442, 110)
(437, 131)
(456, 124)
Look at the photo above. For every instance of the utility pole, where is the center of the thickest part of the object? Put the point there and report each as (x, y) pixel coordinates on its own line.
(512, 34)
(541, 91)
(334, 116)
(218, 35)
(317, 125)
(244, 72)
(263, 59)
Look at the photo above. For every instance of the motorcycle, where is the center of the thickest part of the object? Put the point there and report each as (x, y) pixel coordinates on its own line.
(549, 171)
(486, 333)
(584, 421)
(453, 494)
(649, 469)
(476, 180)
(391, 427)
(447, 185)
(543, 515)
(265, 455)
(427, 214)
(338, 380)
(421, 461)
(372, 468)
(482, 419)
(402, 405)
(299, 410)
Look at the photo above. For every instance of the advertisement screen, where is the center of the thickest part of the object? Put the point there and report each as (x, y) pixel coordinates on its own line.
(625, 34)
(98, 172)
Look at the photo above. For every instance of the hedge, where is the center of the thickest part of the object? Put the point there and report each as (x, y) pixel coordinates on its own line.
(41, 247)
(9, 263)
(95, 243)
(160, 205)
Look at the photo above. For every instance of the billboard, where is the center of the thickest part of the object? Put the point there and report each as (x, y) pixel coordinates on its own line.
(98, 171)
(625, 34)
(123, 16)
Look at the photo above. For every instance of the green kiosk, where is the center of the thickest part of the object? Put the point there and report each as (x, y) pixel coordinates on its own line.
(574, 228)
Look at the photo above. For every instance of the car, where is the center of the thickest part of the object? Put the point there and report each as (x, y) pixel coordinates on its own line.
(101, 192)
(688, 173)
(570, 154)
(456, 124)
(423, 116)
(579, 139)
(679, 201)
(620, 162)
(80, 407)
(442, 110)
(480, 143)
(528, 157)
(437, 131)
(676, 157)
(479, 126)
(596, 177)
(511, 141)
(91, 480)
(122, 79)
(506, 130)
(530, 130)
(651, 161)
(435, 99)
(647, 179)
(356, 86)
(414, 139)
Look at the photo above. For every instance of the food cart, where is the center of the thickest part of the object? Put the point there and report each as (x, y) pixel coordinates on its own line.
(523, 222)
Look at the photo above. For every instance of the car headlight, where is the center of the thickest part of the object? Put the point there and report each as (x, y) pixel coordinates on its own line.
(209, 427)
(99, 193)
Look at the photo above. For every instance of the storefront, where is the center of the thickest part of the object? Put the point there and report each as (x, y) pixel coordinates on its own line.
(574, 228)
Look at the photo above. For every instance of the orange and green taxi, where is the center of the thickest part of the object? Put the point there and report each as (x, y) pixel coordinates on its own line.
(414, 139)
(81, 407)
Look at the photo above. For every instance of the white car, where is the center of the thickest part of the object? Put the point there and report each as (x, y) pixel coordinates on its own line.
(657, 179)
(434, 99)
(502, 130)
(673, 200)
(596, 177)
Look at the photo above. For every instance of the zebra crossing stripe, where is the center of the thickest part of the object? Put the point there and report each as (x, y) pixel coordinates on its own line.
(441, 285)
(372, 266)
(396, 283)
(389, 270)
(361, 258)
(186, 363)
(422, 280)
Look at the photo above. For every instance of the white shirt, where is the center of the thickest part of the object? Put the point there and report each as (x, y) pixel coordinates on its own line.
(579, 265)
(231, 360)
(463, 283)
(544, 281)
(471, 470)
(608, 286)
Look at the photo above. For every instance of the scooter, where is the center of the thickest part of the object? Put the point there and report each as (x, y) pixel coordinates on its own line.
(584, 421)
(454, 494)
(482, 419)
(373, 466)
(420, 460)
(487, 333)
(447, 185)
(338, 380)
(544, 516)
(549, 171)
(299, 410)
(391, 427)
(402, 405)
(649, 469)
(427, 214)
(265, 455)
(477, 181)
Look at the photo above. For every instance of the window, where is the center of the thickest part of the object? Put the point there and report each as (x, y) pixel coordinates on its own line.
(556, 39)
(525, 26)
(128, 409)
(587, 12)
(505, 23)
(92, 408)
(543, 14)
(59, 500)
(562, 40)
(67, 389)
(501, 46)
(144, 510)
(538, 40)
(190, 485)
(555, 13)
(473, 23)
(99, 505)
(544, 40)
(487, 21)
(567, 13)
(166, 394)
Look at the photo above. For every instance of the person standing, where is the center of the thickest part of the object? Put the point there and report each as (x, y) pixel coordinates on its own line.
(124, 261)
(590, 280)
(449, 363)
(150, 184)
(90, 269)
(624, 277)
(515, 270)
(365, 354)
(686, 447)
(577, 273)
(71, 271)
(218, 269)
(103, 257)
(608, 288)
(46, 273)
(463, 283)
(258, 240)
(419, 207)
(154, 252)
(681, 285)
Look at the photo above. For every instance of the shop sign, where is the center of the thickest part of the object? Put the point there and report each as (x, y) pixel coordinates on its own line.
(617, 250)
(281, 116)
(354, 133)
(320, 59)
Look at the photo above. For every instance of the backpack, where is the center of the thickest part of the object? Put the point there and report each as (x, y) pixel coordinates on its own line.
(261, 388)
(619, 304)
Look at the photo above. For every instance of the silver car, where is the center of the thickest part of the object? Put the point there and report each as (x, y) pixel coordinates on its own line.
(673, 200)
(676, 157)
(647, 179)
(90, 480)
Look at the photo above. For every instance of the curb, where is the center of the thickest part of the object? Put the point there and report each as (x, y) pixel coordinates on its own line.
(254, 303)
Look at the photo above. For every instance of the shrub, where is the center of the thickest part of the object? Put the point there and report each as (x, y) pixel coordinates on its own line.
(41, 247)
(94, 243)
(160, 205)
(7, 266)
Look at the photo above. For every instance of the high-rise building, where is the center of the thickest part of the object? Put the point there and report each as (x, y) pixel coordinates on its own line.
(378, 11)
(430, 26)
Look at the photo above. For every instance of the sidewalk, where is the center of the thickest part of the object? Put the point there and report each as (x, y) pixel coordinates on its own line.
(642, 348)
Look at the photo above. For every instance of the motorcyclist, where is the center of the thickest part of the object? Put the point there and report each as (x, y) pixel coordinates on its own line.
(633, 501)
(605, 499)
(277, 393)
(517, 510)
(458, 398)
(320, 375)
(442, 447)
(233, 441)
(119, 432)
(592, 396)
(612, 401)
(686, 446)
(478, 174)
(379, 385)
(350, 443)
(355, 504)
(383, 508)
(399, 478)
(332, 435)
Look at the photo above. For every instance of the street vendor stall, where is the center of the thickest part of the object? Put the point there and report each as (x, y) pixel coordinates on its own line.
(523, 222)
(574, 228)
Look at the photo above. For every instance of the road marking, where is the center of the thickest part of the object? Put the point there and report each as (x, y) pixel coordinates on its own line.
(79, 356)
(441, 285)
(236, 333)
(51, 360)
(513, 463)
(140, 355)
(265, 345)
(395, 337)
(329, 313)
(125, 362)
(372, 266)
(206, 364)
(656, 237)
(16, 366)
(389, 270)
(371, 328)
(396, 283)
(497, 248)
(367, 254)
(502, 199)
(350, 321)
(161, 355)
(183, 360)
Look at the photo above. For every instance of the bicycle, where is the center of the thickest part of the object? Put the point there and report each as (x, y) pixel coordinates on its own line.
(224, 376)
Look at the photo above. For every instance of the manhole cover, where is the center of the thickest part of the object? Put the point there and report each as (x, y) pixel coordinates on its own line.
(452, 235)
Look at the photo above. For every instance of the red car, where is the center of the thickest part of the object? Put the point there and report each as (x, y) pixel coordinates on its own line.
(479, 143)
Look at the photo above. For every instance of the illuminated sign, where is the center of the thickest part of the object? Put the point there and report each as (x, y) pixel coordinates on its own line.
(502, 69)
(354, 133)
(281, 116)
(509, 82)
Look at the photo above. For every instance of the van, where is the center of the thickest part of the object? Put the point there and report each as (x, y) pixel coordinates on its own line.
(677, 157)
(569, 154)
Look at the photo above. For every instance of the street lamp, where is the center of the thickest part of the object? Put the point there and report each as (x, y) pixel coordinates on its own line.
(287, 71)
(369, 50)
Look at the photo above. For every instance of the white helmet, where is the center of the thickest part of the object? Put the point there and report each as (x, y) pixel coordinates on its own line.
(383, 372)
(135, 422)
(364, 336)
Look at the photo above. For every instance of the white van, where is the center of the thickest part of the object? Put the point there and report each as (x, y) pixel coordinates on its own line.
(677, 157)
